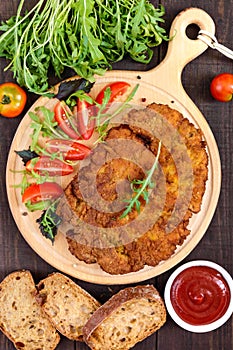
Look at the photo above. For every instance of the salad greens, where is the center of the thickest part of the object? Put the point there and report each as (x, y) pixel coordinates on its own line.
(44, 124)
(103, 119)
(140, 188)
(49, 221)
(84, 35)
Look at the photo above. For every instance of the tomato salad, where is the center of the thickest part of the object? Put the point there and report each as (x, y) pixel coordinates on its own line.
(64, 131)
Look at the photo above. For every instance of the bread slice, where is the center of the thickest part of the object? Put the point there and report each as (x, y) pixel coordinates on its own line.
(66, 304)
(21, 318)
(128, 317)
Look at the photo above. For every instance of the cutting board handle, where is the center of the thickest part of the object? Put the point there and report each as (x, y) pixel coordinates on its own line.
(181, 49)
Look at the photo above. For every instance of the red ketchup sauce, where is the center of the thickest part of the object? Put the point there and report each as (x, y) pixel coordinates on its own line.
(200, 295)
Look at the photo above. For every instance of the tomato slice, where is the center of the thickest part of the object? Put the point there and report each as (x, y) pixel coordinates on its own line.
(70, 150)
(64, 117)
(117, 88)
(12, 100)
(46, 165)
(85, 119)
(41, 192)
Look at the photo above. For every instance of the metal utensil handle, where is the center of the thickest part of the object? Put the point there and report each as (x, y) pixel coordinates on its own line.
(212, 42)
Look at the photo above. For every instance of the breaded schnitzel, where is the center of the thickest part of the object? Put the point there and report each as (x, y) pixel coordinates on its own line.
(98, 235)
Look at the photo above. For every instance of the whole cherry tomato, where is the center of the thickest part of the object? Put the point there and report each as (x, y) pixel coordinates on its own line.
(41, 192)
(221, 87)
(12, 100)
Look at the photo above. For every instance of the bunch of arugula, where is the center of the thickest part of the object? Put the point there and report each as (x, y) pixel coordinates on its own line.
(85, 35)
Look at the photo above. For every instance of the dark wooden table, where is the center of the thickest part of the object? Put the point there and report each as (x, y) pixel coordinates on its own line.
(217, 243)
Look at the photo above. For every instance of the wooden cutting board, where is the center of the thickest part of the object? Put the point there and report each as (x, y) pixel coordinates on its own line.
(161, 85)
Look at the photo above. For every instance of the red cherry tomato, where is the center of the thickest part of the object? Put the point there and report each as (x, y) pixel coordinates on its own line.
(221, 87)
(65, 119)
(12, 100)
(41, 192)
(46, 165)
(117, 88)
(85, 119)
(70, 150)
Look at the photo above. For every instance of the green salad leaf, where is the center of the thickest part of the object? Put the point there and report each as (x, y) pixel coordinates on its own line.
(49, 221)
(140, 188)
(86, 36)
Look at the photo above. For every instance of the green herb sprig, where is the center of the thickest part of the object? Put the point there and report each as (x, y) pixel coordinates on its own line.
(44, 125)
(49, 222)
(140, 188)
(103, 118)
(85, 36)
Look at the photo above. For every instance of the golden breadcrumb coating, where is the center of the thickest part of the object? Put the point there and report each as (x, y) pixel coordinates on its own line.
(159, 241)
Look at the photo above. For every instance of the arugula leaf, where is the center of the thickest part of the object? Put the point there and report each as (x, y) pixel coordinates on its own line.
(142, 190)
(88, 39)
(23, 184)
(43, 205)
(103, 119)
(43, 124)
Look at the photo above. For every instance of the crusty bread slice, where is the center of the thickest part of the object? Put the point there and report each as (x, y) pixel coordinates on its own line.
(128, 317)
(21, 318)
(66, 304)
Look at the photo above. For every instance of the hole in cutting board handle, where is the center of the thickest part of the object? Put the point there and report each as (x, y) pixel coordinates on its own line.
(192, 31)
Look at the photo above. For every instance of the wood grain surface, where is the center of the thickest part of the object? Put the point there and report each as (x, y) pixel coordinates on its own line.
(216, 245)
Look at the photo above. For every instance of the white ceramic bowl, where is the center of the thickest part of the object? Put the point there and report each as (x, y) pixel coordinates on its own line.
(206, 327)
